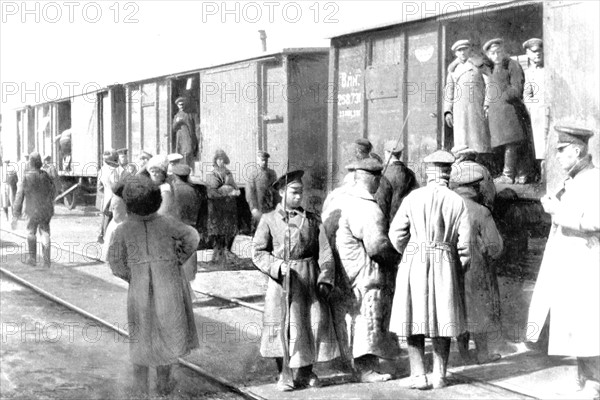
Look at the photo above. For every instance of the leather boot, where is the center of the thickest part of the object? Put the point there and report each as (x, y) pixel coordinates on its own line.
(140, 378)
(511, 154)
(416, 357)
(164, 386)
(46, 255)
(462, 343)
(441, 353)
(31, 251)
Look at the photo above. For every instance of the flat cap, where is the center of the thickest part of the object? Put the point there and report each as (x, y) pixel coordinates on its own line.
(371, 165)
(490, 43)
(159, 161)
(532, 43)
(110, 155)
(462, 149)
(263, 155)
(145, 154)
(47, 157)
(462, 177)
(174, 157)
(460, 44)
(571, 135)
(181, 99)
(122, 151)
(292, 177)
(181, 170)
(440, 157)
(393, 146)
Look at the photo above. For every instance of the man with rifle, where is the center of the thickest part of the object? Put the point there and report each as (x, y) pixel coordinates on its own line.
(291, 249)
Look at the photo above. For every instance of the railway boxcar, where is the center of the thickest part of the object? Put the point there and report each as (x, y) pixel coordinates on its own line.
(275, 102)
(381, 74)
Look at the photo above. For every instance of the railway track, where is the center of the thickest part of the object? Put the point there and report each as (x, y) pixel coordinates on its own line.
(219, 381)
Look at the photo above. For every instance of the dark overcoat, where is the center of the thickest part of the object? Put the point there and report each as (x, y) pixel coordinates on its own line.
(222, 204)
(403, 181)
(260, 194)
(148, 253)
(312, 336)
(37, 191)
(507, 114)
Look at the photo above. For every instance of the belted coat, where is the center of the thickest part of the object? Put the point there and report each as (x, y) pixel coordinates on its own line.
(432, 231)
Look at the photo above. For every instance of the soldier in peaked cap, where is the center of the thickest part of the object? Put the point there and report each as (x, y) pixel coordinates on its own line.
(260, 194)
(533, 94)
(573, 242)
(184, 133)
(467, 165)
(428, 301)
(309, 262)
(482, 295)
(464, 98)
(508, 120)
(357, 232)
(401, 178)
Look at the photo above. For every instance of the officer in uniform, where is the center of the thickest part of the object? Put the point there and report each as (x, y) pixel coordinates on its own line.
(184, 130)
(464, 99)
(533, 95)
(428, 301)
(567, 289)
(260, 195)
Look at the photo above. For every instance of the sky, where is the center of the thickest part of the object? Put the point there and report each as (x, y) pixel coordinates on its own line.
(53, 49)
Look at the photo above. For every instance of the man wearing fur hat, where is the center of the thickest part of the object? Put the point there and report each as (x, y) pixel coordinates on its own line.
(464, 99)
(432, 232)
(184, 130)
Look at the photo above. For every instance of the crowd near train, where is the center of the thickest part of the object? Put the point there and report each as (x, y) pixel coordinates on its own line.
(379, 211)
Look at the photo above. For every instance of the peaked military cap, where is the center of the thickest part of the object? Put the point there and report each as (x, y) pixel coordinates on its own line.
(364, 145)
(460, 44)
(570, 135)
(181, 99)
(462, 149)
(145, 154)
(533, 42)
(291, 178)
(174, 157)
(440, 157)
(159, 161)
(462, 177)
(181, 170)
(122, 151)
(263, 155)
(371, 165)
(490, 43)
(393, 146)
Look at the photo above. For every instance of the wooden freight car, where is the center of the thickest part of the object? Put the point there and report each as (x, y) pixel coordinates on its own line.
(93, 122)
(274, 102)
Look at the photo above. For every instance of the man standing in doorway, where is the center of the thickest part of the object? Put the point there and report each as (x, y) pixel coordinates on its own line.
(184, 129)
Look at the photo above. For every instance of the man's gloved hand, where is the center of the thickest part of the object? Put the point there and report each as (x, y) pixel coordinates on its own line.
(324, 291)
(256, 214)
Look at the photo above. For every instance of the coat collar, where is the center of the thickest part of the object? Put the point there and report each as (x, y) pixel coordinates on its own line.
(581, 165)
(143, 217)
(292, 213)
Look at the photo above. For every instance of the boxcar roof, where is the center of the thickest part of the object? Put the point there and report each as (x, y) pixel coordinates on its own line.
(447, 10)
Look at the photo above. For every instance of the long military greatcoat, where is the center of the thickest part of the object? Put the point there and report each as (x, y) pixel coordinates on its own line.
(35, 193)
(464, 97)
(432, 231)
(504, 95)
(482, 295)
(533, 94)
(312, 336)
(186, 205)
(186, 141)
(568, 282)
(148, 253)
(365, 258)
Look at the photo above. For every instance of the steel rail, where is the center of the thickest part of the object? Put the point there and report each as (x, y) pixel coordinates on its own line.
(222, 382)
(232, 300)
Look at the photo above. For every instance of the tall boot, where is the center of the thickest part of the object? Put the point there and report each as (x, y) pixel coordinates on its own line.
(441, 353)
(482, 351)
(416, 357)
(462, 343)
(46, 255)
(140, 378)
(31, 251)
(511, 154)
(164, 386)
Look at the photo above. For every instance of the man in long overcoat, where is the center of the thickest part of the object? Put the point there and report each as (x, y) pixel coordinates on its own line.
(147, 250)
(184, 129)
(260, 195)
(464, 99)
(508, 120)
(401, 178)
(568, 283)
(37, 191)
(356, 229)
(290, 240)
(431, 230)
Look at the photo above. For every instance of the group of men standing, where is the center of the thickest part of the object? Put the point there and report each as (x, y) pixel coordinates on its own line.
(498, 107)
